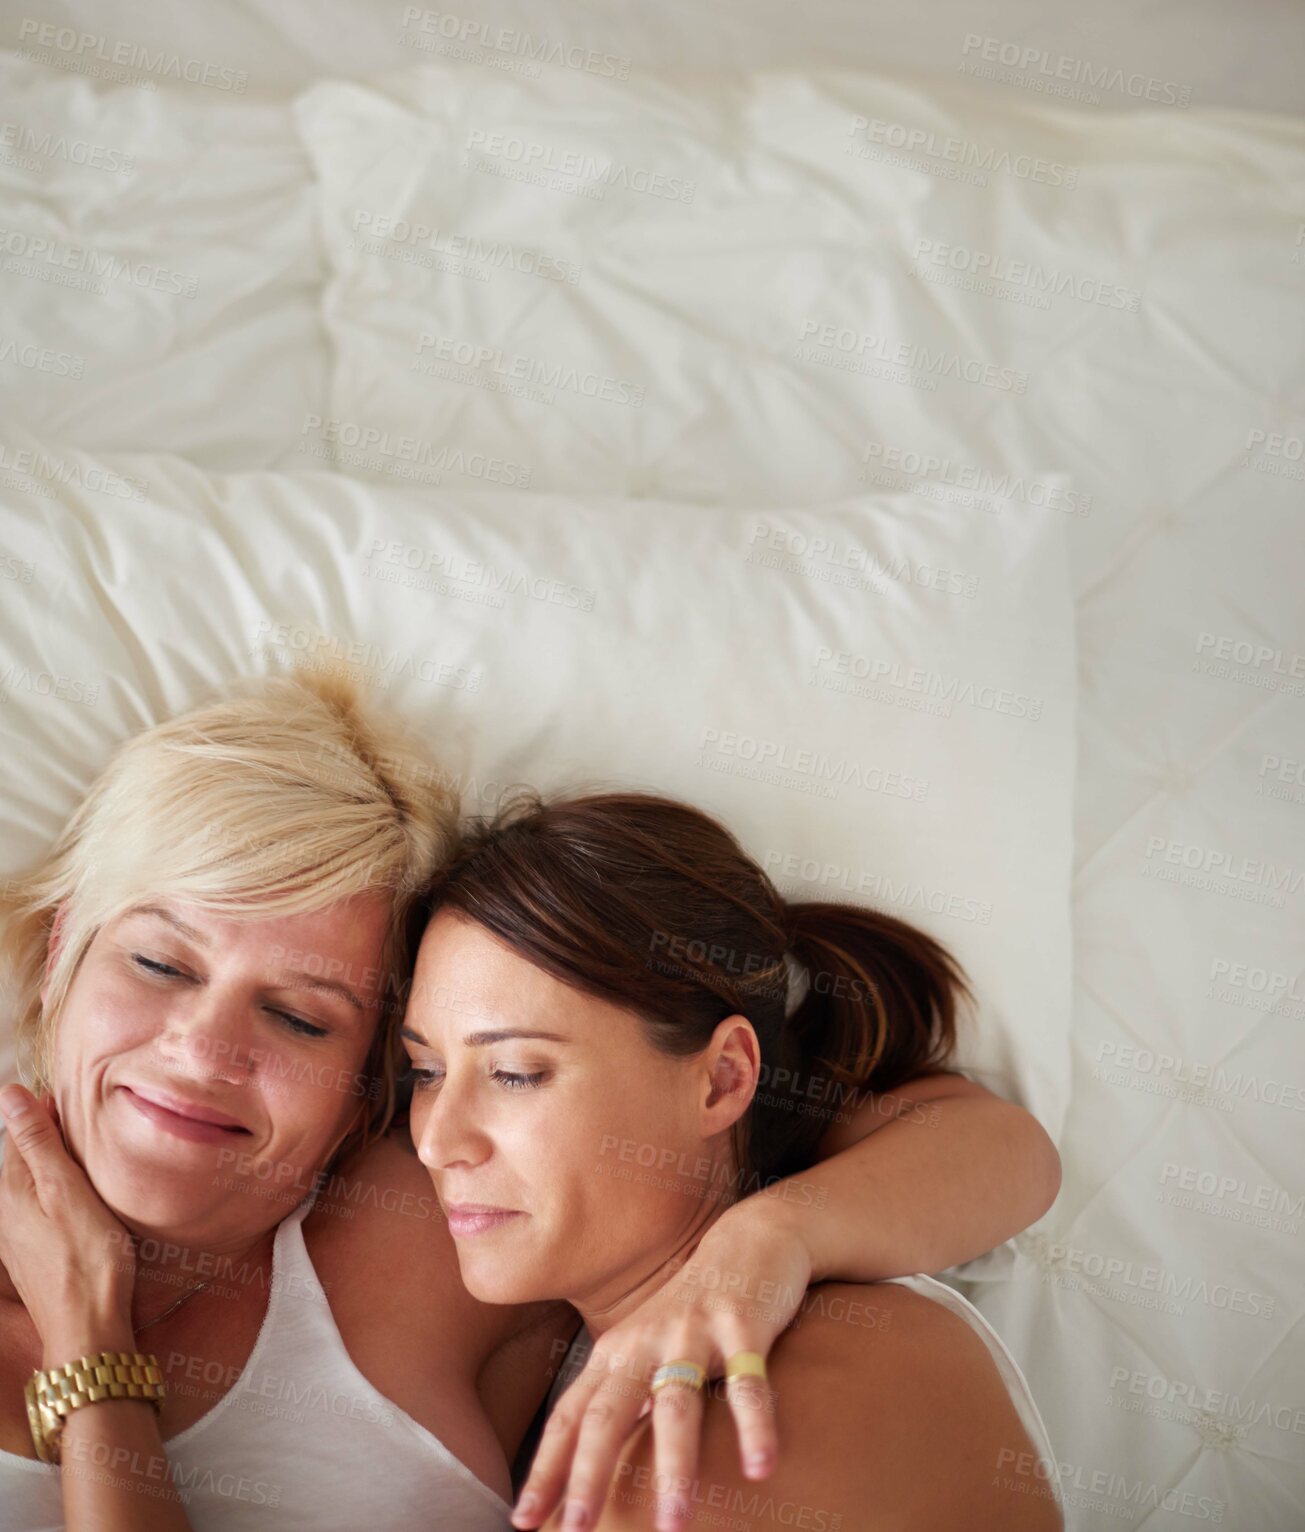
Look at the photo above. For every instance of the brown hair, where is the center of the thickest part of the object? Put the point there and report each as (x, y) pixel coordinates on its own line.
(654, 905)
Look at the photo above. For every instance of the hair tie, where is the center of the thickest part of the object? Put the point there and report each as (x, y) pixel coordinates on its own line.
(799, 982)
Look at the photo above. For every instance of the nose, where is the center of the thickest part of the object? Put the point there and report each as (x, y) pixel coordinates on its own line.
(206, 1037)
(447, 1129)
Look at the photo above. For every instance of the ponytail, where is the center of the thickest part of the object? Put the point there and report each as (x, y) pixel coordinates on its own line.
(880, 1006)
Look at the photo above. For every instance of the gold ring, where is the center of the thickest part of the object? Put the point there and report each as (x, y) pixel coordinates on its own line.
(682, 1372)
(746, 1364)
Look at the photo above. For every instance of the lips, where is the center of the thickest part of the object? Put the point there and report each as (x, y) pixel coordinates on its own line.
(181, 1116)
(468, 1218)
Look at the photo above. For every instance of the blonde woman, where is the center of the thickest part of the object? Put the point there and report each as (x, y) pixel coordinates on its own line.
(208, 1183)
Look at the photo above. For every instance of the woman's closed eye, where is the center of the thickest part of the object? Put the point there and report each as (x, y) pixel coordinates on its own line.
(299, 1025)
(515, 1081)
(422, 1076)
(426, 1077)
(159, 970)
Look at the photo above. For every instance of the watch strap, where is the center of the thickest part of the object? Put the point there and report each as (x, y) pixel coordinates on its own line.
(53, 1393)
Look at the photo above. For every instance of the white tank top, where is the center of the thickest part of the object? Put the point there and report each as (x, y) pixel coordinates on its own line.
(301, 1441)
(1046, 1470)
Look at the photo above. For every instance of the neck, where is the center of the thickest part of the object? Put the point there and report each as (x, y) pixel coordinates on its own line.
(167, 1271)
(619, 1297)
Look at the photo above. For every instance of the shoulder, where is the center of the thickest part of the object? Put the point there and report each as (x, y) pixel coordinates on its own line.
(890, 1412)
(386, 1181)
(375, 1209)
(381, 1243)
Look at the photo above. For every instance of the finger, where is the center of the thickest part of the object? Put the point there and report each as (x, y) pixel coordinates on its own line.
(578, 1451)
(41, 1158)
(607, 1421)
(547, 1477)
(677, 1431)
(28, 1121)
(752, 1403)
(14, 1171)
(15, 1174)
(17, 1195)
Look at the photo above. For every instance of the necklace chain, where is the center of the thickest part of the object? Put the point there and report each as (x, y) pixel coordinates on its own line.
(187, 1296)
(174, 1306)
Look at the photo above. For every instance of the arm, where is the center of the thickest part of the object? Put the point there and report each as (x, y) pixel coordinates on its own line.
(114, 1472)
(917, 1179)
(900, 1423)
(55, 1242)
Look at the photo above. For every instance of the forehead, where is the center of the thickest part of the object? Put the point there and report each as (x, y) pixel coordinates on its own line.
(348, 934)
(467, 979)
(365, 914)
(463, 968)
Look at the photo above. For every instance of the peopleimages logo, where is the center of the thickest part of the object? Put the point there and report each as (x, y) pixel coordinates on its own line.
(925, 465)
(71, 473)
(509, 40)
(869, 675)
(168, 66)
(53, 260)
(1081, 1485)
(536, 372)
(869, 137)
(1220, 864)
(448, 565)
(1151, 1286)
(862, 348)
(530, 154)
(62, 364)
(990, 266)
(388, 233)
(1174, 1075)
(1063, 67)
(1244, 1413)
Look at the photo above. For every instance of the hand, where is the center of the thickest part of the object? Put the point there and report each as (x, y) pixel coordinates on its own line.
(739, 1289)
(71, 1262)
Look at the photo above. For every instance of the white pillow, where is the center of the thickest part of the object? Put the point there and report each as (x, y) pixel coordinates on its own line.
(159, 270)
(878, 694)
(726, 291)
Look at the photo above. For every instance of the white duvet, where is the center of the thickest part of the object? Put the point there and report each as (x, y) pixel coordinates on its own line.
(327, 376)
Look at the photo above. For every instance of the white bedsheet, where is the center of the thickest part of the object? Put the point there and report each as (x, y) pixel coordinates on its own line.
(1156, 1312)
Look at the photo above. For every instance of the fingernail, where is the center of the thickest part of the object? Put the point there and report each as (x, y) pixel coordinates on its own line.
(526, 1505)
(14, 1101)
(756, 1463)
(575, 1517)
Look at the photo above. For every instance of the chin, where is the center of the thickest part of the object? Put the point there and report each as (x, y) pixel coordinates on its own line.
(150, 1203)
(500, 1281)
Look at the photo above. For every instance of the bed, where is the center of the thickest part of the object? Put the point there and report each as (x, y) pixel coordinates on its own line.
(731, 290)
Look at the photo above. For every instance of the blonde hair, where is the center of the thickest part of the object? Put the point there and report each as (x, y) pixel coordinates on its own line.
(281, 797)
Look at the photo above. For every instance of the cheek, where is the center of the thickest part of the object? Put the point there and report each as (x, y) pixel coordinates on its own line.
(309, 1101)
(99, 1025)
(583, 1159)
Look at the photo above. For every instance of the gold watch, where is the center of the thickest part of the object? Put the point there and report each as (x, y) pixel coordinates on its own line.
(54, 1393)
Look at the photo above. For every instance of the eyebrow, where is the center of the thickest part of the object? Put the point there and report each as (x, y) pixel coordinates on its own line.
(296, 979)
(158, 911)
(287, 979)
(479, 1039)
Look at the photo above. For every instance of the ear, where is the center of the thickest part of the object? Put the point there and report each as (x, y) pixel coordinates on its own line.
(52, 950)
(733, 1066)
